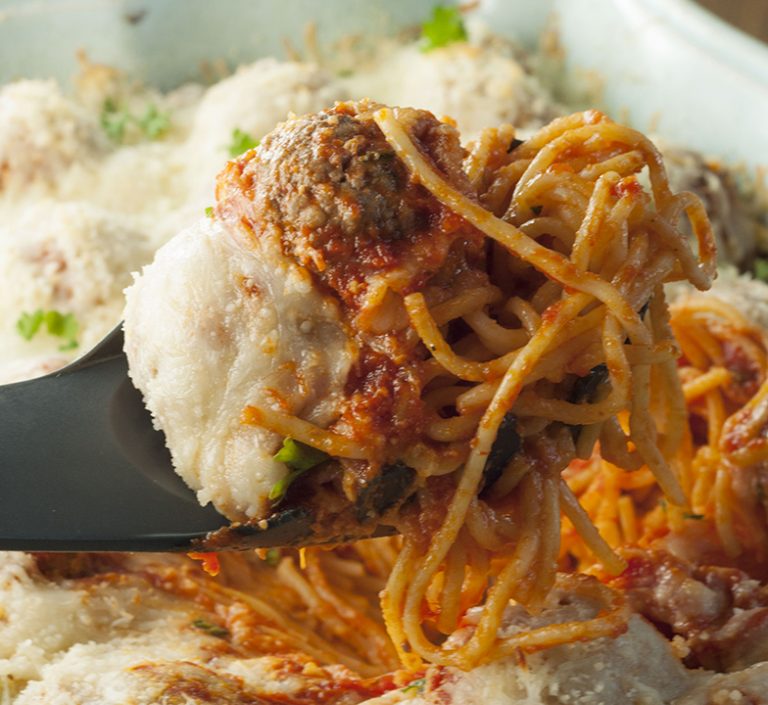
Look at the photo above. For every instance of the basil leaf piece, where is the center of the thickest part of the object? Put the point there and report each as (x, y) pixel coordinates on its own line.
(444, 27)
(505, 447)
(241, 142)
(212, 629)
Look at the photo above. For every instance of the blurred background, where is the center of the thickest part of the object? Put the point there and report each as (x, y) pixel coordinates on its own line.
(748, 15)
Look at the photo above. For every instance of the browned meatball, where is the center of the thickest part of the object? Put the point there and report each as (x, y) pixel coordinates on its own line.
(331, 190)
(341, 201)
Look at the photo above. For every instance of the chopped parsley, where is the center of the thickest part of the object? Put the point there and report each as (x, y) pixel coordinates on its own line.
(537, 210)
(761, 269)
(241, 142)
(29, 323)
(272, 556)
(299, 458)
(416, 686)
(61, 325)
(116, 120)
(688, 515)
(153, 123)
(212, 629)
(444, 27)
(209, 211)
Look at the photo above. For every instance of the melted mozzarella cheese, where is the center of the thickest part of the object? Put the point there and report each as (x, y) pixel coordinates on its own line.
(218, 322)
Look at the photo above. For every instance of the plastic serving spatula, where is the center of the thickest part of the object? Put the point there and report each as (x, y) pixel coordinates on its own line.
(83, 469)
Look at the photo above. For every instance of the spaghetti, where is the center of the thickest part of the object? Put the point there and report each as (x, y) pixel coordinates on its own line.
(723, 370)
(621, 251)
(532, 326)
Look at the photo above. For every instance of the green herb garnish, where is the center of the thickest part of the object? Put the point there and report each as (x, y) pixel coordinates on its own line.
(299, 458)
(241, 142)
(279, 489)
(444, 27)
(29, 323)
(61, 325)
(115, 121)
(272, 556)
(416, 686)
(153, 123)
(212, 629)
(537, 210)
(761, 269)
(209, 211)
(698, 517)
(71, 345)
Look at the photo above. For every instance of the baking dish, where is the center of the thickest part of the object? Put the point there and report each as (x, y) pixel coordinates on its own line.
(668, 65)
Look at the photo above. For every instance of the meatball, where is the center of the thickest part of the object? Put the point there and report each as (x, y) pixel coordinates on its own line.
(69, 257)
(331, 190)
(477, 84)
(263, 306)
(343, 205)
(735, 216)
(42, 134)
(254, 99)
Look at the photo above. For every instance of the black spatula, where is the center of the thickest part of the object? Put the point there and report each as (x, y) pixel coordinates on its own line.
(83, 469)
